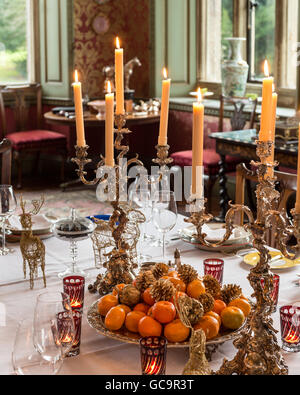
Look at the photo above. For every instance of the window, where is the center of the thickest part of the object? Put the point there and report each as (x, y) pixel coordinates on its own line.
(227, 24)
(261, 36)
(14, 41)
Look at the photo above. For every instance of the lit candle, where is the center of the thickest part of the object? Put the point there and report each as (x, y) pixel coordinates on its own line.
(266, 108)
(297, 207)
(164, 111)
(197, 161)
(109, 127)
(78, 111)
(273, 129)
(119, 78)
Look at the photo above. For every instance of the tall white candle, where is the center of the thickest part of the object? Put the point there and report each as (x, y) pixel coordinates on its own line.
(164, 111)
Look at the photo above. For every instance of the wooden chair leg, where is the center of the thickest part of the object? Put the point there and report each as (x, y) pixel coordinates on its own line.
(18, 160)
(62, 169)
(210, 186)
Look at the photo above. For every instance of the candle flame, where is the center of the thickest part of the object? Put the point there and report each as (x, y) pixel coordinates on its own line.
(165, 73)
(108, 87)
(267, 69)
(199, 95)
(118, 43)
(76, 76)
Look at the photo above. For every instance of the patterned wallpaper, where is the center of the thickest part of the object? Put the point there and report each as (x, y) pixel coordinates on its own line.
(128, 19)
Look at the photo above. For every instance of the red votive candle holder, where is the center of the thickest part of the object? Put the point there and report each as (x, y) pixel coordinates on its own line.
(275, 292)
(74, 287)
(214, 267)
(153, 355)
(290, 328)
(69, 331)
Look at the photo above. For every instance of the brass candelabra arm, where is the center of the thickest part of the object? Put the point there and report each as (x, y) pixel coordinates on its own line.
(284, 231)
(82, 160)
(162, 155)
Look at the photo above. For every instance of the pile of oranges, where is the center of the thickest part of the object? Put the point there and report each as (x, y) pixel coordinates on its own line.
(151, 318)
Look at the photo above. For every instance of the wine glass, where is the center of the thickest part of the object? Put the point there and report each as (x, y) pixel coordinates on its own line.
(25, 358)
(8, 204)
(164, 213)
(141, 200)
(54, 331)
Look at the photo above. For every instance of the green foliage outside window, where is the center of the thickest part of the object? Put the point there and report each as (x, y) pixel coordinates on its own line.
(13, 41)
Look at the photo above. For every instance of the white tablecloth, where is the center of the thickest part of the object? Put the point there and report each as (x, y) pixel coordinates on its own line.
(100, 355)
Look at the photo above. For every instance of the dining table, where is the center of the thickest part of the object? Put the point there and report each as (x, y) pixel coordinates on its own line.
(100, 355)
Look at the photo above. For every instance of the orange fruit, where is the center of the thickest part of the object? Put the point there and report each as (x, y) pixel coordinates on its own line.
(219, 306)
(232, 317)
(195, 288)
(164, 312)
(117, 289)
(178, 284)
(176, 332)
(115, 318)
(106, 303)
(243, 297)
(173, 274)
(215, 315)
(147, 298)
(132, 320)
(210, 326)
(150, 312)
(143, 307)
(242, 304)
(126, 308)
(148, 326)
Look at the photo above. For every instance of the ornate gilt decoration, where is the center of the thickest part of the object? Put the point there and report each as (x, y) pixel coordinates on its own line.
(32, 248)
(258, 350)
(120, 233)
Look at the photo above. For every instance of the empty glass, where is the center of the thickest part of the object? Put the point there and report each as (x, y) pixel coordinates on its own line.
(164, 213)
(54, 331)
(25, 358)
(8, 204)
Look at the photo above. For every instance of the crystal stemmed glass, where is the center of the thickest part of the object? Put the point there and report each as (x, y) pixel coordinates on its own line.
(164, 213)
(8, 204)
(54, 332)
(25, 358)
(141, 200)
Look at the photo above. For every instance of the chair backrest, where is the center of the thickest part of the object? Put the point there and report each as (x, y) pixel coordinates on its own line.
(20, 96)
(5, 151)
(286, 185)
(238, 119)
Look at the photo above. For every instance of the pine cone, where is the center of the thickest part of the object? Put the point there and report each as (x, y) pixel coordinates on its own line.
(187, 273)
(159, 270)
(144, 280)
(230, 292)
(212, 285)
(207, 302)
(162, 290)
(190, 308)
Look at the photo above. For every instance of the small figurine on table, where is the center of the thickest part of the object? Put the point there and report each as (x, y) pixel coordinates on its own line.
(32, 248)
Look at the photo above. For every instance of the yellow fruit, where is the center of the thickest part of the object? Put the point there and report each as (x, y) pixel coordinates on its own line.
(232, 317)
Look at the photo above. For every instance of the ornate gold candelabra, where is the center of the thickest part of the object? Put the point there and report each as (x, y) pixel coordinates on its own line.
(258, 350)
(119, 265)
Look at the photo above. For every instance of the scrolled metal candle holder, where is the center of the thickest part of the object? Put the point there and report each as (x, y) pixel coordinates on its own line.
(119, 265)
(258, 350)
(162, 155)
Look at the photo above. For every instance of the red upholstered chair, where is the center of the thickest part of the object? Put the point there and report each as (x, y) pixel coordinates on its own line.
(210, 157)
(28, 135)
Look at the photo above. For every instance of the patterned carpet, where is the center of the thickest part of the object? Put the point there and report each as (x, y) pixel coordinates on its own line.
(58, 204)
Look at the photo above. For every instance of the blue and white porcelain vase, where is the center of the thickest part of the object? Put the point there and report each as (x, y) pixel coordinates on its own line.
(234, 70)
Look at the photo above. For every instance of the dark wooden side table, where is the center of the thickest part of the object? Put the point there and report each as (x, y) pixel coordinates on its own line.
(243, 144)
